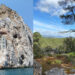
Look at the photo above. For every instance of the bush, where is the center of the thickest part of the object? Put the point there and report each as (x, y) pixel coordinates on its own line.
(50, 55)
(69, 59)
(58, 55)
(48, 62)
(58, 61)
(48, 48)
(71, 54)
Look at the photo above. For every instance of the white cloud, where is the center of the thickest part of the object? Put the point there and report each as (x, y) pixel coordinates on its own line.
(50, 30)
(49, 6)
(48, 26)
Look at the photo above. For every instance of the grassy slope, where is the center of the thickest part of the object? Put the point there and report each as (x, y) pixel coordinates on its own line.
(53, 42)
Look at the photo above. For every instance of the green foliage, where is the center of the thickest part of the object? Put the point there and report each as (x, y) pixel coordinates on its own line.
(58, 55)
(69, 44)
(42, 45)
(61, 48)
(48, 62)
(52, 42)
(50, 55)
(69, 59)
(37, 50)
(48, 48)
(36, 37)
(36, 45)
(58, 61)
(71, 54)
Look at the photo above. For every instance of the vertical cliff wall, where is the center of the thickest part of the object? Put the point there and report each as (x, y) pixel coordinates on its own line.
(15, 40)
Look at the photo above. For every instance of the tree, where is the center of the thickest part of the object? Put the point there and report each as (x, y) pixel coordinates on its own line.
(69, 7)
(69, 44)
(37, 50)
(48, 48)
(68, 18)
(36, 45)
(61, 49)
(36, 36)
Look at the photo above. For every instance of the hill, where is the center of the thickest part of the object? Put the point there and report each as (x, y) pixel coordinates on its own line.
(53, 42)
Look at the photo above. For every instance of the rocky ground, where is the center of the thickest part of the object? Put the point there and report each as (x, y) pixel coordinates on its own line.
(58, 61)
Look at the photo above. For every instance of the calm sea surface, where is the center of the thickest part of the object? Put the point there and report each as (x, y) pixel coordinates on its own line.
(24, 71)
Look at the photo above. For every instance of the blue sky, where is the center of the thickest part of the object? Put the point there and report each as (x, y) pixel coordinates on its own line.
(46, 19)
(23, 7)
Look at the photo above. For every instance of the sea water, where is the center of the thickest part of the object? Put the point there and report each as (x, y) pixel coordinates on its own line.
(24, 71)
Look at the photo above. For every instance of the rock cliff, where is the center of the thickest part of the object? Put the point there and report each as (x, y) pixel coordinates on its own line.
(15, 40)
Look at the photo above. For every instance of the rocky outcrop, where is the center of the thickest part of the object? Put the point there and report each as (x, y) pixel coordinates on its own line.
(15, 40)
(37, 68)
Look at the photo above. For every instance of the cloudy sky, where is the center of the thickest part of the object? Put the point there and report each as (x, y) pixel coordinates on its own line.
(47, 21)
(23, 7)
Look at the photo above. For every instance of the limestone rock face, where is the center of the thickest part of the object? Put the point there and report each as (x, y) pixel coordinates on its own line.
(15, 40)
